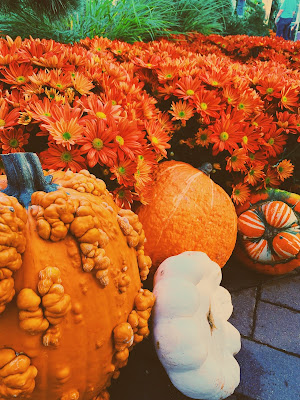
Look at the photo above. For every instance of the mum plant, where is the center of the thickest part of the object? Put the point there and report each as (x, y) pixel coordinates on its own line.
(117, 109)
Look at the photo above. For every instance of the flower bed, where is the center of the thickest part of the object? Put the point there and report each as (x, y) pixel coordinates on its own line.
(118, 109)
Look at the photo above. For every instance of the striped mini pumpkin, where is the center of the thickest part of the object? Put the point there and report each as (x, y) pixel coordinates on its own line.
(250, 224)
(269, 231)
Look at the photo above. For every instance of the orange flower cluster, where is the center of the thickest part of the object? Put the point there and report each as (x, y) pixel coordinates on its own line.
(117, 109)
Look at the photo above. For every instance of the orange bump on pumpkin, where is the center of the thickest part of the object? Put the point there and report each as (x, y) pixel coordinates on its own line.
(188, 211)
(70, 276)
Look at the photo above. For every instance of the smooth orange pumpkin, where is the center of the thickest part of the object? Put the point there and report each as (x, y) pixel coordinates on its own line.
(71, 299)
(269, 232)
(187, 212)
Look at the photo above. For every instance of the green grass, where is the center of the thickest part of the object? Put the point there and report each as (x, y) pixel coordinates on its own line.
(127, 20)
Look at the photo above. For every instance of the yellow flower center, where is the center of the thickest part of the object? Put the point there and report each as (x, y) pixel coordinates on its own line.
(254, 123)
(46, 114)
(203, 106)
(229, 100)
(284, 99)
(59, 85)
(100, 115)
(66, 156)
(214, 83)
(181, 114)
(154, 140)
(149, 65)
(122, 170)
(270, 90)
(97, 144)
(224, 136)
(241, 106)
(245, 139)
(233, 158)
(21, 79)
(168, 76)
(190, 92)
(271, 141)
(2, 122)
(66, 135)
(113, 102)
(120, 140)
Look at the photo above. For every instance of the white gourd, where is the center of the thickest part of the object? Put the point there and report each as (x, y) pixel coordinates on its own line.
(193, 338)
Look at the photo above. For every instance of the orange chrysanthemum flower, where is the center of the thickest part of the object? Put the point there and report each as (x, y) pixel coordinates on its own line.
(273, 142)
(123, 170)
(81, 83)
(94, 106)
(270, 87)
(255, 174)
(13, 140)
(284, 169)
(226, 134)
(289, 98)
(98, 142)
(128, 138)
(17, 74)
(240, 193)
(181, 111)
(231, 95)
(65, 132)
(287, 122)
(58, 157)
(157, 137)
(42, 110)
(271, 178)
(207, 104)
(202, 137)
(123, 197)
(250, 138)
(186, 87)
(8, 118)
(237, 161)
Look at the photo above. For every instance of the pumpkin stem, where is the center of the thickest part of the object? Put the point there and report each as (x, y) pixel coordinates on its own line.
(25, 176)
(206, 168)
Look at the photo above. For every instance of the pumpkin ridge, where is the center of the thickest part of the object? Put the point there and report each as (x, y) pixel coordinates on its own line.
(177, 201)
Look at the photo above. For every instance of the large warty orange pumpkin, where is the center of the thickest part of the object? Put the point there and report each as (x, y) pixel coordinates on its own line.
(71, 299)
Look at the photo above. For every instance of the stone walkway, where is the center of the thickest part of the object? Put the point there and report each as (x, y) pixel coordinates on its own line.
(267, 314)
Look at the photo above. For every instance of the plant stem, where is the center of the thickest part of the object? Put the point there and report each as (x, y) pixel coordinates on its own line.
(25, 176)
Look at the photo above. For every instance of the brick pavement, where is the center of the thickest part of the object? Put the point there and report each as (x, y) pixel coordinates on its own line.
(267, 314)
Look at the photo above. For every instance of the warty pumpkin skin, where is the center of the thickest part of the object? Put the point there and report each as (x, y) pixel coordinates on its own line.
(71, 299)
(269, 232)
(187, 212)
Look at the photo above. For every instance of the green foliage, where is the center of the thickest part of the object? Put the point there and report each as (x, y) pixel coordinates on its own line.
(252, 24)
(127, 20)
(51, 8)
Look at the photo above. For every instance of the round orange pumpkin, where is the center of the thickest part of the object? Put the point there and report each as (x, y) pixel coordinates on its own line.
(269, 232)
(71, 299)
(187, 211)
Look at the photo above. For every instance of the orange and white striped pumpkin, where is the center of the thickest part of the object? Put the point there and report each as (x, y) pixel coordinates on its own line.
(269, 231)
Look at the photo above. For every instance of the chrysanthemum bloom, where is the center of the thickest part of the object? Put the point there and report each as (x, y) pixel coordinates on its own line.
(187, 87)
(262, 122)
(237, 160)
(250, 137)
(94, 107)
(216, 77)
(207, 104)
(98, 142)
(287, 122)
(181, 111)
(59, 80)
(128, 138)
(25, 118)
(8, 118)
(158, 137)
(273, 142)
(226, 134)
(123, 170)
(81, 83)
(249, 102)
(289, 98)
(58, 157)
(284, 169)
(42, 110)
(202, 137)
(123, 197)
(271, 179)
(8, 52)
(41, 78)
(255, 174)
(13, 140)
(167, 72)
(17, 74)
(240, 193)
(231, 95)
(270, 86)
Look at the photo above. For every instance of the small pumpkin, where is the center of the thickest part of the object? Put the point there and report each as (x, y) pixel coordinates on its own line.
(71, 299)
(192, 336)
(269, 232)
(188, 211)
